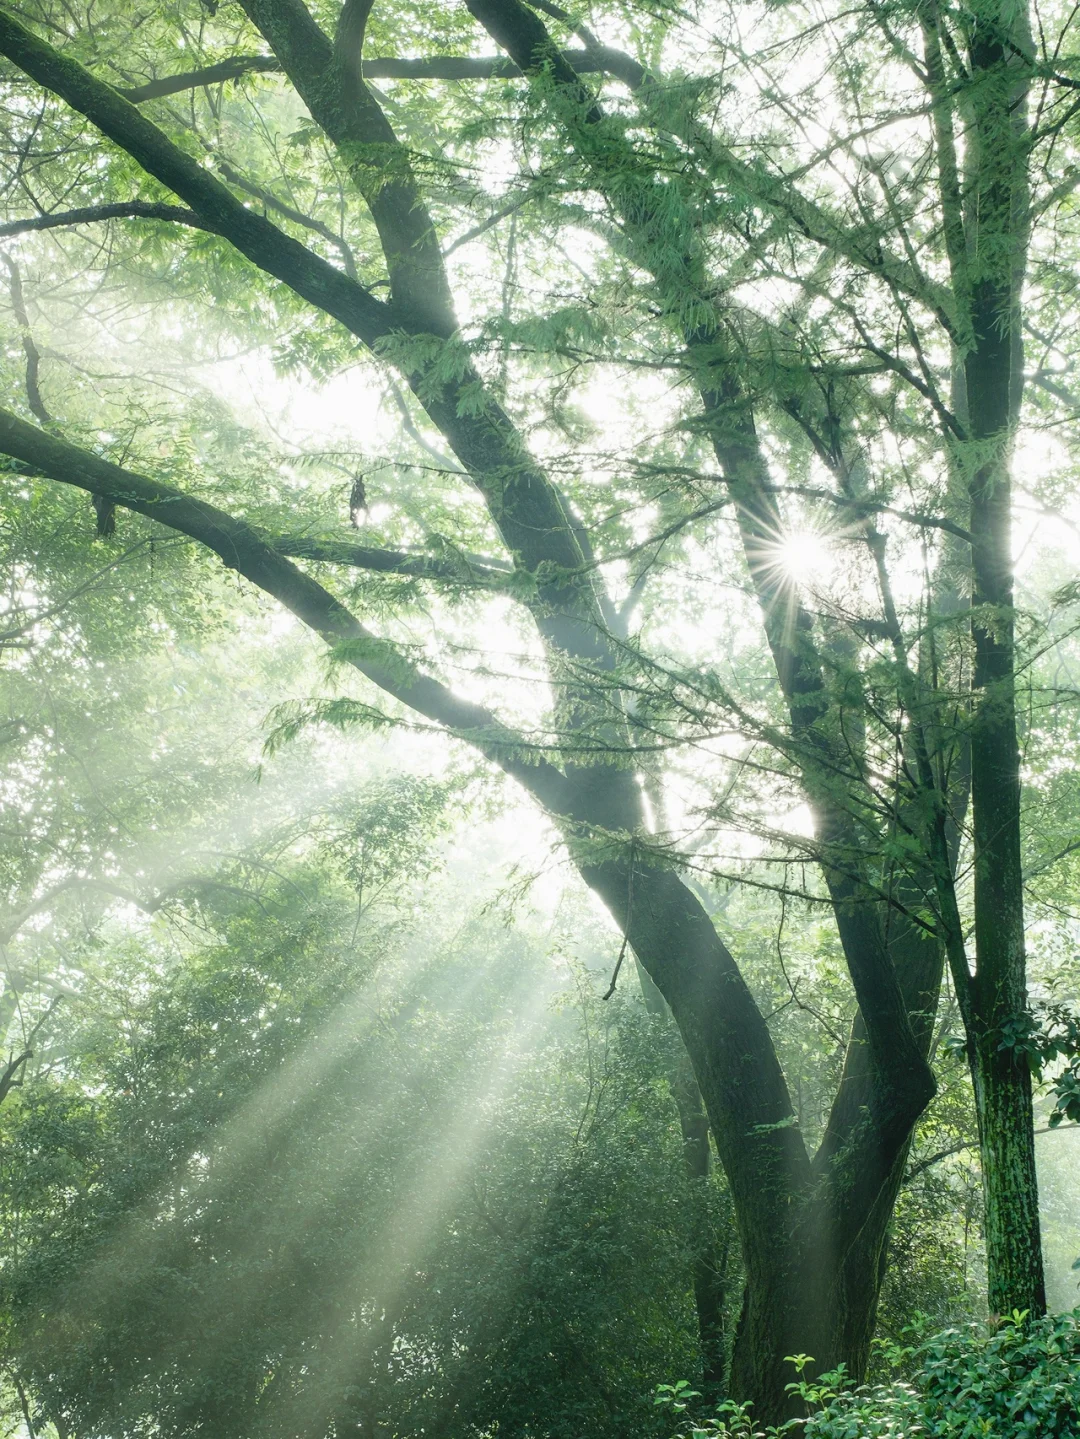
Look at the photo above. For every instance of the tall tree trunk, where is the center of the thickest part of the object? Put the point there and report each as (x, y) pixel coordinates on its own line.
(1010, 1189)
(998, 991)
(997, 999)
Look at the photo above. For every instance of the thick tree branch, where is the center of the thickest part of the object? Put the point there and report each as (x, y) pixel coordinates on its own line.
(525, 39)
(245, 549)
(618, 63)
(523, 503)
(217, 207)
(233, 68)
(595, 59)
(327, 75)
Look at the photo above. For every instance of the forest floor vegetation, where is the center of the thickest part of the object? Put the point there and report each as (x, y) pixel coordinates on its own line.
(1013, 1378)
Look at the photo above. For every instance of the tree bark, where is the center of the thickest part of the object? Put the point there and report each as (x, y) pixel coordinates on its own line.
(994, 265)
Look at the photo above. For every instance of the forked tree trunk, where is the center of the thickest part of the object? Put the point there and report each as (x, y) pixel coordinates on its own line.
(823, 1298)
(811, 1234)
(815, 1303)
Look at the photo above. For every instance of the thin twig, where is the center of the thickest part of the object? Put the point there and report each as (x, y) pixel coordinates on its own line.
(626, 926)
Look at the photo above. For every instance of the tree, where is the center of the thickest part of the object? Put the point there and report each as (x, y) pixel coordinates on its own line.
(904, 271)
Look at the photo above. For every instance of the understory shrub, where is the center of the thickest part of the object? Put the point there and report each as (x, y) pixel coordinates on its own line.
(1018, 1379)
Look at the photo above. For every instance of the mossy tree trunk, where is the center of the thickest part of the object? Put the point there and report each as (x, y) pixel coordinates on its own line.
(988, 274)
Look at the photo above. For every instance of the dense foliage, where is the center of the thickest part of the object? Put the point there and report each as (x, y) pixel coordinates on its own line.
(1018, 1379)
(314, 1177)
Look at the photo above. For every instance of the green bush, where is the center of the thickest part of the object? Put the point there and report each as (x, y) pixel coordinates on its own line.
(1019, 1379)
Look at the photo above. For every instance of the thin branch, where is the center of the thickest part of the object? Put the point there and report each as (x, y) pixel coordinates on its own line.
(41, 616)
(33, 354)
(76, 881)
(625, 927)
(9, 1079)
(271, 201)
(408, 424)
(959, 1148)
(864, 507)
(493, 219)
(1069, 397)
(91, 214)
(392, 562)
